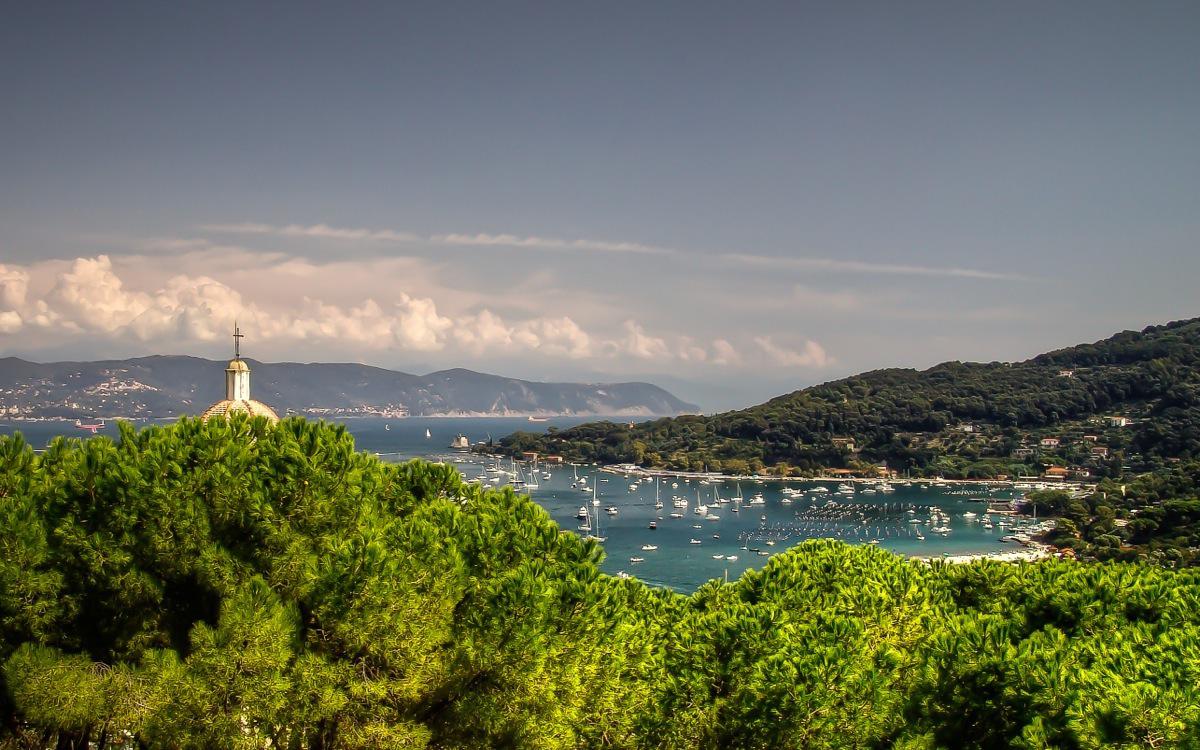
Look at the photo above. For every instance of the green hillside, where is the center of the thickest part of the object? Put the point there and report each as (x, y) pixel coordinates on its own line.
(956, 419)
(236, 585)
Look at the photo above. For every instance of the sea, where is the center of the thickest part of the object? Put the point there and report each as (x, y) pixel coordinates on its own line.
(690, 549)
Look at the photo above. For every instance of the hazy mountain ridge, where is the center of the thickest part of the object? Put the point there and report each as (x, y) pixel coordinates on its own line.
(166, 386)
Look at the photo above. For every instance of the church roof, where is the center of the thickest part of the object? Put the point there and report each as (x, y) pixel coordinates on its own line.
(225, 407)
(237, 365)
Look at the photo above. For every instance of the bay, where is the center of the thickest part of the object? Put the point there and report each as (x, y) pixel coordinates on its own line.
(752, 535)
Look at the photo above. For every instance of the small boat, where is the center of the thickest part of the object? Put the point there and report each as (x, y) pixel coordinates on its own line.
(387, 428)
(583, 512)
(694, 541)
(428, 434)
(718, 557)
(649, 547)
(537, 419)
(91, 427)
(611, 510)
(731, 558)
(637, 559)
(653, 525)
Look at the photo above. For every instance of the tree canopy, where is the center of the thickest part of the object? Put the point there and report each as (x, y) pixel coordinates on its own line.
(234, 584)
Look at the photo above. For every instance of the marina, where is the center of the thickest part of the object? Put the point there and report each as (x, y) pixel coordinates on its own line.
(682, 530)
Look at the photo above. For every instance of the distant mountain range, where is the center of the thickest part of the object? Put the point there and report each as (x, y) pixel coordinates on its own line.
(167, 386)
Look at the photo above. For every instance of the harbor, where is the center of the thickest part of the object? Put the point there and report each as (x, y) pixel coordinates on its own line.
(680, 530)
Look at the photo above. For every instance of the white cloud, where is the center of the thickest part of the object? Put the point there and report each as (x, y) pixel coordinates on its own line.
(90, 296)
(324, 231)
(724, 353)
(14, 283)
(832, 265)
(638, 344)
(316, 231)
(137, 299)
(10, 322)
(811, 354)
(548, 243)
(556, 337)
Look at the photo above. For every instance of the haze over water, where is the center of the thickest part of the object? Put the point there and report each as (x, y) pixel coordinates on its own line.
(677, 563)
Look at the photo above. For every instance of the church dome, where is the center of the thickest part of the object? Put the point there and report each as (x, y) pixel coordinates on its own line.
(237, 389)
(226, 407)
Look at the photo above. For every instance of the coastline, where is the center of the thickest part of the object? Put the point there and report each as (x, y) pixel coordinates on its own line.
(631, 470)
(1033, 552)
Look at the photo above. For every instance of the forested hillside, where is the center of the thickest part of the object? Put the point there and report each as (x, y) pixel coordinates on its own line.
(232, 584)
(1127, 402)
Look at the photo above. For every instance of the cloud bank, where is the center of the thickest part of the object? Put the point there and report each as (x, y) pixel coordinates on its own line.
(168, 305)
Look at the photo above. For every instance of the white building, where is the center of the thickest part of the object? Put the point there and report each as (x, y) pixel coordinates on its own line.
(237, 389)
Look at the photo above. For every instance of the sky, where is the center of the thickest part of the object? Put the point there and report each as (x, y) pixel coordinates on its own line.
(732, 200)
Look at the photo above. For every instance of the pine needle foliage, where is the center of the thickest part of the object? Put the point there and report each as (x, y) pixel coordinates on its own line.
(233, 584)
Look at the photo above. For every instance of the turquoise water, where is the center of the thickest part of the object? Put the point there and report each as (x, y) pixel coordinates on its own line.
(752, 535)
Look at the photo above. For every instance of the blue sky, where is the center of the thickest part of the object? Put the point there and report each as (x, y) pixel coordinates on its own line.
(731, 200)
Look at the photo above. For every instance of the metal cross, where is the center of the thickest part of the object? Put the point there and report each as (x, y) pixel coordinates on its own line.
(237, 341)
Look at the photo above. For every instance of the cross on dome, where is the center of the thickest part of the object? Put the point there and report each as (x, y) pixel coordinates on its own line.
(237, 387)
(237, 341)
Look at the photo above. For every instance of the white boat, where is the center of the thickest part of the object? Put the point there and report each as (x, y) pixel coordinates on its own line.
(718, 557)
(649, 547)
(731, 558)
(583, 512)
(428, 434)
(460, 443)
(637, 559)
(611, 510)
(694, 541)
